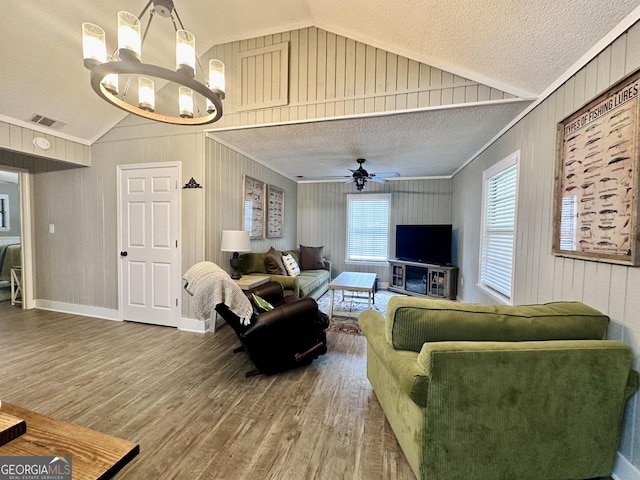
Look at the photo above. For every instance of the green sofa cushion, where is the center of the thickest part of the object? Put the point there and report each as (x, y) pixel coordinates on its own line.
(412, 321)
(309, 280)
(252, 263)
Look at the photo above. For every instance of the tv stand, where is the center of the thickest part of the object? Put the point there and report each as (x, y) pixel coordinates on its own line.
(423, 279)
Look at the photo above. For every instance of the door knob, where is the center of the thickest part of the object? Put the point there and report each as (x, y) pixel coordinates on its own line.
(123, 254)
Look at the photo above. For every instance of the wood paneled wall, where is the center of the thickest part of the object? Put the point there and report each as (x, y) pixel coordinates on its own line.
(322, 215)
(225, 170)
(331, 75)
(78, 264)
(540, 276)
(20, 139)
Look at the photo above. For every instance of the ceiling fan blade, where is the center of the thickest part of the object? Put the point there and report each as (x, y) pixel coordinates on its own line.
(377, 179)
(387, 174)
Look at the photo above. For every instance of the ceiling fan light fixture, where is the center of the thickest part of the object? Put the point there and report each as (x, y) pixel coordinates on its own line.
(107, 71)
(360, 176)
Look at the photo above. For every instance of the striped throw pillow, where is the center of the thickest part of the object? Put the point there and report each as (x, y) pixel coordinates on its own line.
(291, 265)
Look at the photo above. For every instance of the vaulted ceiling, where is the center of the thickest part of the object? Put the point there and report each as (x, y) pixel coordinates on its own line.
(516, 46)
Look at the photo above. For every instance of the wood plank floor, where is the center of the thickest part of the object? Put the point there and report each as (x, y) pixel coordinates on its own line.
(184, 398)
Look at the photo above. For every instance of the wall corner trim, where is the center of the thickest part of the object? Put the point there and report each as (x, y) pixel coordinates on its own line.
(624, 469)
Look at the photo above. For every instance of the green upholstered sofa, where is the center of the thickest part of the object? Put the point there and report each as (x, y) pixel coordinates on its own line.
(476, 392)
(310, 283)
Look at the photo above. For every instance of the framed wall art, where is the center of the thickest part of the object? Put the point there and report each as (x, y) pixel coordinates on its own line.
(275, 212)
(596, 179)
(253, 192)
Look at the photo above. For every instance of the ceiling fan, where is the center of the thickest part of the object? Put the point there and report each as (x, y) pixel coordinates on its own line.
(361, 176)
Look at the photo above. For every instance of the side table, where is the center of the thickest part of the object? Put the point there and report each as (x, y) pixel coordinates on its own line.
(247, 282)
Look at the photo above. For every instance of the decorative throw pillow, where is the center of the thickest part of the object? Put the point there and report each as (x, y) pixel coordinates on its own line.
(273, 263)
(311, 258)
(291, 265)
(261, 303)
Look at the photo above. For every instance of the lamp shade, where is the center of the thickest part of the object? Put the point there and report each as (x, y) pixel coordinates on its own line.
(235, 241)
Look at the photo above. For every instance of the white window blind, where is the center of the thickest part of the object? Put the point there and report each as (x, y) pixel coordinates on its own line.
(498, 230)
(4, 212)
(568, 223)
(368, 227)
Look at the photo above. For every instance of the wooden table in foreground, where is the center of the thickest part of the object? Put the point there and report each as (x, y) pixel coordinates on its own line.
(353, 282)
(94, 455)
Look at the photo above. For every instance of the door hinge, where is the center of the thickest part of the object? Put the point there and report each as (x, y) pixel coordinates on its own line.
(176, 243)
(176, 302)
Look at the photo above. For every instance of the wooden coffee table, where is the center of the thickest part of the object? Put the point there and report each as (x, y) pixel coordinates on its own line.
(94, 455)
(353, 282)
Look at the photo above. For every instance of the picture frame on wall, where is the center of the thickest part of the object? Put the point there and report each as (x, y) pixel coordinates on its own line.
(253, 204)
(596, 178)
(275, 212)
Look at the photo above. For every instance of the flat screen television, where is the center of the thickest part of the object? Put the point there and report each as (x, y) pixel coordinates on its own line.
(424, 243)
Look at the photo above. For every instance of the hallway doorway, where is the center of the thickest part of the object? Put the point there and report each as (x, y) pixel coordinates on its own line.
(16, 279)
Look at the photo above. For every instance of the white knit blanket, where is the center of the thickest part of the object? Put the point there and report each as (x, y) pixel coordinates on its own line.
(209, 285)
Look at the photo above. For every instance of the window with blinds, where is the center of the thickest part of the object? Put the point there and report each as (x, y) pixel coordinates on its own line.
(4, 212)
(498, 227)
(368, 227)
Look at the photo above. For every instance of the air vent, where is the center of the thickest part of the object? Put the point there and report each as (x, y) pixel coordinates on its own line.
(46, 121)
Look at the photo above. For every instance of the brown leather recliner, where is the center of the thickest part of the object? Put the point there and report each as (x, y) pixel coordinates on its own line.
(290, 335)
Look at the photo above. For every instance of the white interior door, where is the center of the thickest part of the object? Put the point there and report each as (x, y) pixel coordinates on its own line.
(149, 255)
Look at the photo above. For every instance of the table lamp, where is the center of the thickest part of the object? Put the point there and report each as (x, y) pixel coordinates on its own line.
(235, 241)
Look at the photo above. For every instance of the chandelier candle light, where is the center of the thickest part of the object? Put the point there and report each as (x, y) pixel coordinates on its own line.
(127, 60)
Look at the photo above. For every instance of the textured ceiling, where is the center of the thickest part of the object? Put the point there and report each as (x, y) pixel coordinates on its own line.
(434, 143)
(516, 46)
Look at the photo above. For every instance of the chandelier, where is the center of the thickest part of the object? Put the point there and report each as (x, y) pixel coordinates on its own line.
(125, 64)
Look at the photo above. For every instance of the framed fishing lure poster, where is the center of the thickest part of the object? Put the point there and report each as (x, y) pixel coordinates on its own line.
(596, 181)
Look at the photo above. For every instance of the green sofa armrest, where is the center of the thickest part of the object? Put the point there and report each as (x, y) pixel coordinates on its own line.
(289, 283)
(402, 364)
(327, 264)
(562, 400)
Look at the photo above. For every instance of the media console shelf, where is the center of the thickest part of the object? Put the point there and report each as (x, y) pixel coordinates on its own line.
(413, 278)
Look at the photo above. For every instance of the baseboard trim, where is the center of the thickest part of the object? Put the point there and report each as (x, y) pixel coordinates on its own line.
(85, 310)
(186, 324)
(195, 326)
(624, 470)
